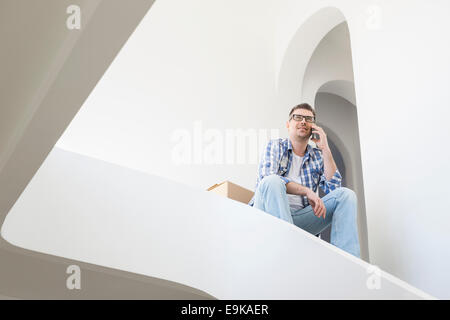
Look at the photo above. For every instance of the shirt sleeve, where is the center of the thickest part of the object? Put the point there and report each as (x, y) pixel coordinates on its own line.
(269, 162)
(332, 184)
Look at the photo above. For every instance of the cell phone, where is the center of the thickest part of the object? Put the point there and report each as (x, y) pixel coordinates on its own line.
(314, 135)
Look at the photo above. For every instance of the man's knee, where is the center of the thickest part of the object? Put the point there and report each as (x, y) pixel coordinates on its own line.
(346, 194)
(271, 181)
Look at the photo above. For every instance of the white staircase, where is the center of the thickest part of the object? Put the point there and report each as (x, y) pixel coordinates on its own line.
(95, 212)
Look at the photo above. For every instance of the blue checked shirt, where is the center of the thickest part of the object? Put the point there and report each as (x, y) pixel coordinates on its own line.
(277, 159)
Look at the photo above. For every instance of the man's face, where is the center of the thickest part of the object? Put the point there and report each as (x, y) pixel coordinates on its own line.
(298, 126)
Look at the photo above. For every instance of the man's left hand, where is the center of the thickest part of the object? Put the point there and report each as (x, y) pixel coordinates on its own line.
(322, 142)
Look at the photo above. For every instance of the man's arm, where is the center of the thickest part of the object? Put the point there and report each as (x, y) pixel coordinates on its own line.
(331, 178)
(328, 163)
(296, 188)
(314, 200)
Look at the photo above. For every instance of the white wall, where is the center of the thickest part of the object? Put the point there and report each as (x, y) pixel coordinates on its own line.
(331, 61)
(232, 65)
(402, 73)
(401, 68)
(188, 61)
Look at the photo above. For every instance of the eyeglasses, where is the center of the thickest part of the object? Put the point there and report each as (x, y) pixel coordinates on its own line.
(299, 117)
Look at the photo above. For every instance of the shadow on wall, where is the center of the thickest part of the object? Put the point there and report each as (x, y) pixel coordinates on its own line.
(339, 119)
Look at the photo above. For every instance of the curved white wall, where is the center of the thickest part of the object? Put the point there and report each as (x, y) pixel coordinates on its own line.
(299, 33)
(96, 212)
(342, 88)
(331, 61)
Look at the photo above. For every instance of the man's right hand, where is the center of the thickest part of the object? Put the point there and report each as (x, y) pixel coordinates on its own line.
(317, 204)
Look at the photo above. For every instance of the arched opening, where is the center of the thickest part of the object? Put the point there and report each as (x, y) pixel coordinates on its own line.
(339, 119)
(328, 84)
(299, 50)
(317, 68)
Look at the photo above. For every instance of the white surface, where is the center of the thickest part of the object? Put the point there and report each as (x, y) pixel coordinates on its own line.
(401, 70)
(331, 61)
(92, 211)
(187, 61)
(342, 88)
(241, 64)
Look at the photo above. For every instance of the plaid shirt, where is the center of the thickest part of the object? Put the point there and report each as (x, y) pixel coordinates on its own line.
(277, 159)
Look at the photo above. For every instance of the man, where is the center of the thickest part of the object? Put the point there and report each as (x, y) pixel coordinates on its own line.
(288, 176)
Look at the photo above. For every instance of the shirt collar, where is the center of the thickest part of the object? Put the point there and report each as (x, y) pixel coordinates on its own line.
(309, 148)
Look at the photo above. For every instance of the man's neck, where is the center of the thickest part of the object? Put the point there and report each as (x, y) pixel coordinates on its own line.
(299, 146)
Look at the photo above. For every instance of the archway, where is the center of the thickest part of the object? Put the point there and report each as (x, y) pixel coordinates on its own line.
(317, 68)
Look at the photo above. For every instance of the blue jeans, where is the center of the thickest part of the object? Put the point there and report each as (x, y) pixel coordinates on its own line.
(270, 196)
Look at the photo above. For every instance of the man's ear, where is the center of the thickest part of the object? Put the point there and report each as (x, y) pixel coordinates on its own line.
(287, 124)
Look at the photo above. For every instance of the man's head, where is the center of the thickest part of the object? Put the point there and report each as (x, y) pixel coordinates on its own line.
(301, 118)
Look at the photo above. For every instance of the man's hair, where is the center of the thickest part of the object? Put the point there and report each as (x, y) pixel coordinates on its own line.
(302, 106)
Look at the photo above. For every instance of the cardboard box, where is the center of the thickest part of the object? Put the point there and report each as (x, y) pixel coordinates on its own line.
(232, 191)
